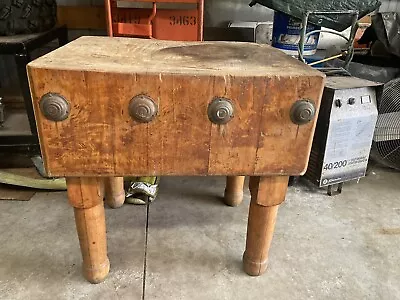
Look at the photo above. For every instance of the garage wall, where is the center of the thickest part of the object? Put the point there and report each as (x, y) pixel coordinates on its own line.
(217, 14)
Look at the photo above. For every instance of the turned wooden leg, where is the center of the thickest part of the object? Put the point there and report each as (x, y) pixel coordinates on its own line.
(266, 195)
(85, 195)
(234, 190)
(114, 191)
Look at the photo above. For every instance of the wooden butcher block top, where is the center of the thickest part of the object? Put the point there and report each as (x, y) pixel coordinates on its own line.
(97, 78)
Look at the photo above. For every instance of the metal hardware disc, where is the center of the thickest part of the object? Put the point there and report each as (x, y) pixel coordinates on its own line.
(220, 111)
(142, 108)
(54, 107)
(302, 112)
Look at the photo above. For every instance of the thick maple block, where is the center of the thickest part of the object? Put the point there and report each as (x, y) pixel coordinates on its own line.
(99, 76)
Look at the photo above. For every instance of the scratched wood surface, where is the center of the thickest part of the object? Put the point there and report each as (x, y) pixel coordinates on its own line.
(100, 75)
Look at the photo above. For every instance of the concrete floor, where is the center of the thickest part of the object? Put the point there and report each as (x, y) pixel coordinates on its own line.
(343, 247)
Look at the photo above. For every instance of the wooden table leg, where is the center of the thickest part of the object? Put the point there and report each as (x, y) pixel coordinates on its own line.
(85, 196)
(114, 191)
(266, 195)
(234, 190)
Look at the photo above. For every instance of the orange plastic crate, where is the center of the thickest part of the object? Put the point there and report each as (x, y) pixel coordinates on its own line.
(165, 24)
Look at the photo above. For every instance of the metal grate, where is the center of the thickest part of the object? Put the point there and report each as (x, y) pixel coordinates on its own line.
(387, 131)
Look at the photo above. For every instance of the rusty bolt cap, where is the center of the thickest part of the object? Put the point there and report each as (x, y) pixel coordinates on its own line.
(302, 112)
(142, 108)
(220, 111)
(54, 107)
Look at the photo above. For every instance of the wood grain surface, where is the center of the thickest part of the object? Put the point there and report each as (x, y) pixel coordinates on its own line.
(233, 194)
(260, 231)
(99, 76)
(114, 191)
(85, 196)
(268, 190)
(266, 195)
(129, 55)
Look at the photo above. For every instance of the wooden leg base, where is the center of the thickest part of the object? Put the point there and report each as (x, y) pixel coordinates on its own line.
(117, 201)
(234, 190)
(86, 196)
(114, 191)
(91, 227)
(254, 268)
(266, 195)
(233, 198)
(96, 274)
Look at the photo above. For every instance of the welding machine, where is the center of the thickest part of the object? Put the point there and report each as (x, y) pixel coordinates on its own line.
(345, 127)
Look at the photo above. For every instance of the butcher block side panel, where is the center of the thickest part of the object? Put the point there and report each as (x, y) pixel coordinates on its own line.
(100, 138)
(83, 142)
(177, 140)
(262, 139)
(234, 145)
(284, 147)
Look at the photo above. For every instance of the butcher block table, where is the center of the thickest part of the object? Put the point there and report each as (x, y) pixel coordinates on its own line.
(112, 107)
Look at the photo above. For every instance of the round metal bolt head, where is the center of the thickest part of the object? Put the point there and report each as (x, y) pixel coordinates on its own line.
(302, 112)
(220, 111)
(142, 108)
(54, 107)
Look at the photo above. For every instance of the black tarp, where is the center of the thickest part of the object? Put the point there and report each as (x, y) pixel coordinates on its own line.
(387, 29)
(297, 8)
